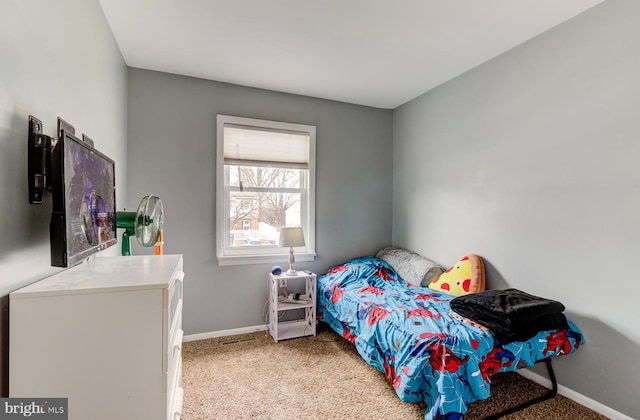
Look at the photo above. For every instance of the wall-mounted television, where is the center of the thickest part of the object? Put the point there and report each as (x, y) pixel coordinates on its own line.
(83, 218)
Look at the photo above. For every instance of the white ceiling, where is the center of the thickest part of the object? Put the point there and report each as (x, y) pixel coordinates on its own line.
(380, 53)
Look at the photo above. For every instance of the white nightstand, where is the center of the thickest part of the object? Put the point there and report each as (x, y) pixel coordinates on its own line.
(300, 327)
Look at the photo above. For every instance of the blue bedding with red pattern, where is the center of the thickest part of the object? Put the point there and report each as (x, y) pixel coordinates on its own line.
(409, 334)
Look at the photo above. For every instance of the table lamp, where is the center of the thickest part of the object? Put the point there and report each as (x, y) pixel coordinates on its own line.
(291, 237)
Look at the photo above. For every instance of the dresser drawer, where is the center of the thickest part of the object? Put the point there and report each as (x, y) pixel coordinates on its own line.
(172, 325)
(175, 409)
(175, 300)
(175, 359)
(174, 391)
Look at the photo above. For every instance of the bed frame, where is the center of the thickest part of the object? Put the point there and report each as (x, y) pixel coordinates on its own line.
(552, 393)
(348, 292)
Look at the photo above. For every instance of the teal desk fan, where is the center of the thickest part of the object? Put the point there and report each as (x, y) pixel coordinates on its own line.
(145, 223)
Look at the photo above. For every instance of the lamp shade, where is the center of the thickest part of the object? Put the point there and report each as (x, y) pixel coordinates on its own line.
(291, 237)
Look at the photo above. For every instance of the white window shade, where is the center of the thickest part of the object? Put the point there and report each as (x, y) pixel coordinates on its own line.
(243, 144)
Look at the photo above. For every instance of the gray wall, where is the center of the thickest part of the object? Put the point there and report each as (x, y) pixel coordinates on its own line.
(59, 58)
(531, 161)
(171, 153)
(528, 160)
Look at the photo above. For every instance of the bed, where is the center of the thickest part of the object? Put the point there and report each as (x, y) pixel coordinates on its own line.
(410, 334)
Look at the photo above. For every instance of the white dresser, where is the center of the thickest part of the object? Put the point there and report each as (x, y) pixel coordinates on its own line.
(106, 334)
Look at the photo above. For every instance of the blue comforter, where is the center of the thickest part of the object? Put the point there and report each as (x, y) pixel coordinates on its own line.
(409, 334)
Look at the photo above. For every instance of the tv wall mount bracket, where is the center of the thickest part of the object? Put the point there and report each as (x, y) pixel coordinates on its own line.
(39, 151)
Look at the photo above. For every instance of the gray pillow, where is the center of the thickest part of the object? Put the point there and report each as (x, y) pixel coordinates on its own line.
(412, 267)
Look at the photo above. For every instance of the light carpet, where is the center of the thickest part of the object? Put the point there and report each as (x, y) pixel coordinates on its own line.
(249, 376)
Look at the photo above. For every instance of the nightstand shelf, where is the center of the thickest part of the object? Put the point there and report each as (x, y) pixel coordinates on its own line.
(306, 325)
(285, 306)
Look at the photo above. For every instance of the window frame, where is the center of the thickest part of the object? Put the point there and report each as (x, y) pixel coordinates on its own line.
(266, 254)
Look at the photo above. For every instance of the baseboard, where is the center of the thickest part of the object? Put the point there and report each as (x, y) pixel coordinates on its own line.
(223, 333)
(575, 396)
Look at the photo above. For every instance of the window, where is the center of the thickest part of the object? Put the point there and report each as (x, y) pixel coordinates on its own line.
(265, 180)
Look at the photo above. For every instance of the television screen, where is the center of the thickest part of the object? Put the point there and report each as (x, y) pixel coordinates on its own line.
(83, 221)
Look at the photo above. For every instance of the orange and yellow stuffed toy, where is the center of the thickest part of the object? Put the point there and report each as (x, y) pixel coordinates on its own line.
(466, 276)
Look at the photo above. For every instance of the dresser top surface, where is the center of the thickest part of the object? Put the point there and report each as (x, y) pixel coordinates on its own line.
(108, 274)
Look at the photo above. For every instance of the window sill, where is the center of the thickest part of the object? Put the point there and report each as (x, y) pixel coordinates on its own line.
(263, 259)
